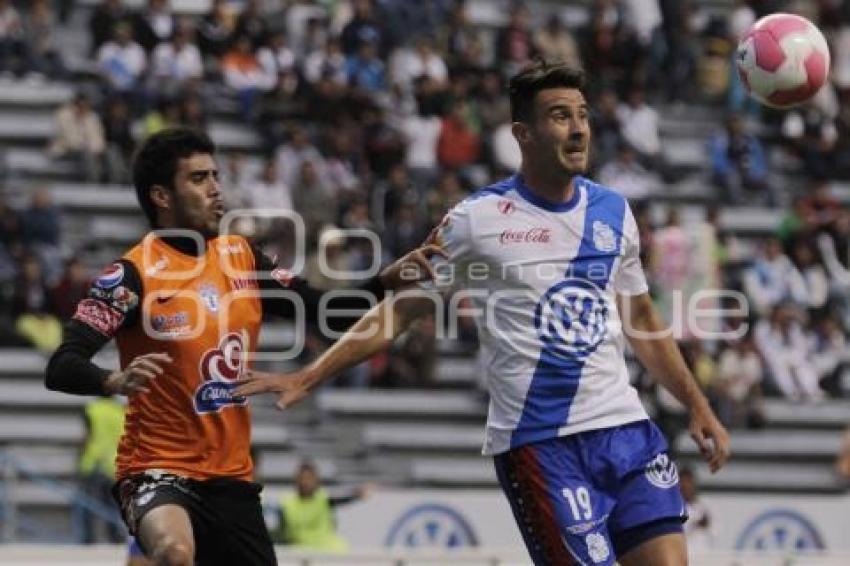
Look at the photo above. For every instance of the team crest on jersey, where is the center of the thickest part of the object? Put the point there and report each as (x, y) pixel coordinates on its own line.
(219, 368)
(110, 277)
(506, 207)
(572, 319)
(597, 547)
(661, 472)
(604, 238)
(209, 296)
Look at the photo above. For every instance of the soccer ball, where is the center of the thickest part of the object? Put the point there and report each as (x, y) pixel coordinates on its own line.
(783, 60)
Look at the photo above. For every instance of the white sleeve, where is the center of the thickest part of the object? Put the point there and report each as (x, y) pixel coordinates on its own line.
(454, 235)
(630, 278)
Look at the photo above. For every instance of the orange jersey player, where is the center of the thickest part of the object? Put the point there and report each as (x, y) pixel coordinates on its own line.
(185, 307)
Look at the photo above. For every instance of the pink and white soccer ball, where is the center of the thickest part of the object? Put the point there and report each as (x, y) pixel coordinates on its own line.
(783, 60)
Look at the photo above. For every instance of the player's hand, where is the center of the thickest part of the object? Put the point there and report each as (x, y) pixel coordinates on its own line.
(289, 387)
(412, 267)
(711, 437)
(137, 375)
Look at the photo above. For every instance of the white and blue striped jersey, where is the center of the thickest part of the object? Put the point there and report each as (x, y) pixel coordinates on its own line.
(543, 280)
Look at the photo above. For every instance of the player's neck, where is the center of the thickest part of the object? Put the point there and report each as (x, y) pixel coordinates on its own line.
(551, 188)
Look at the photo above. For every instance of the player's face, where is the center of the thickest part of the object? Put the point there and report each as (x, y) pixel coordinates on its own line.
(560, 134)
(197, 194)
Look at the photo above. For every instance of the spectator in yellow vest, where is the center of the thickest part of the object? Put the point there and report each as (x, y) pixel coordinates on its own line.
(104, 419)
(307, 515)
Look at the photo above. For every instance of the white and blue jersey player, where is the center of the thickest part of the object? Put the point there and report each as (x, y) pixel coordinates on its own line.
(550, 262)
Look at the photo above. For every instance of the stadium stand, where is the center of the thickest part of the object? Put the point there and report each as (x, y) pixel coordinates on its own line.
(386, 429)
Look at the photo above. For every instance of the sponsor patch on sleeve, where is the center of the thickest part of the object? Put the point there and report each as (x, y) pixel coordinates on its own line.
(110, 277)
(99, 316)
(283, 276)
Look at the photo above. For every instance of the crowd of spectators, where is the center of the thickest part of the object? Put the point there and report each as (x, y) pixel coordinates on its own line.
(382, 114)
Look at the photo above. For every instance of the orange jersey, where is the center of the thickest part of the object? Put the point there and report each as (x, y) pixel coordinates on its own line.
(206, 316)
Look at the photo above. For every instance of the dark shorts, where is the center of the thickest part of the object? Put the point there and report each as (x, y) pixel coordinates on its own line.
(227, 516)
(592, 496)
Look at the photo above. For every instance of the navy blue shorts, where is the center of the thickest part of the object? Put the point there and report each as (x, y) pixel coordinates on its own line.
(588, 497)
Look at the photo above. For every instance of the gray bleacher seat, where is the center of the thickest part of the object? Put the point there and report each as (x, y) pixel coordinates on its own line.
(424, 436)
(27, 126)
(187, 7)
(685, 152)
(750, 219)
(24, 392)
(825, 414)
(456, 370)
(276, 466)
(54, 461)
(18, 362)
(108, 357)
(83, 196)
(35, 428)
(125, 231)
(760, 478)
(25, 94)
(781, 444)
(272, 435)
(36, 495)
(231, 136)
(453, 472)
(744, 220)
(228, 136)
(841, 191)
(277, 336)
(401, 404)
(36, 163)
(468, 472)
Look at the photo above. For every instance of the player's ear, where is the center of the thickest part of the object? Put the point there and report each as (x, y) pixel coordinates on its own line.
(521, 132)
(160, 197)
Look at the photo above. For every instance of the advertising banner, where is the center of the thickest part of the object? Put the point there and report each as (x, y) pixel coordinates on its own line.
(435, 519)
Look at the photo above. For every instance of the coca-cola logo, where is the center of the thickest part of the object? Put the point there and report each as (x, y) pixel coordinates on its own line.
(219, 368)
(530, 236)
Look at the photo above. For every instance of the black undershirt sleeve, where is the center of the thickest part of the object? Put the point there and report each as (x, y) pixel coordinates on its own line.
(112, 303)
(354, 304)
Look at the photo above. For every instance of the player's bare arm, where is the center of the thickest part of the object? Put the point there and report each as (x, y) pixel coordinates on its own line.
(371, 334)
(412, 267)
(659, 354)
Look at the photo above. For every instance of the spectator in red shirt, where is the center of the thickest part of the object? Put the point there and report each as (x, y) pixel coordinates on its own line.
(458, 145)
(71, 289)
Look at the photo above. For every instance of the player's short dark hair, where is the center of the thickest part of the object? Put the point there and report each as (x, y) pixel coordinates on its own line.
(525, 85)
(155, 163)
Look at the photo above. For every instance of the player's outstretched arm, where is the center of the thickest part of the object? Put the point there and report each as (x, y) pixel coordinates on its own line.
(371, 334)
(657, 351)
(113, 302)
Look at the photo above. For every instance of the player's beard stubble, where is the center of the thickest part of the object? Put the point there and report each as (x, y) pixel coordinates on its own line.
(193, 214)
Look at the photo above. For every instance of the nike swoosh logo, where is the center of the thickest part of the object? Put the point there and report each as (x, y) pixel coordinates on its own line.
(163, 300)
